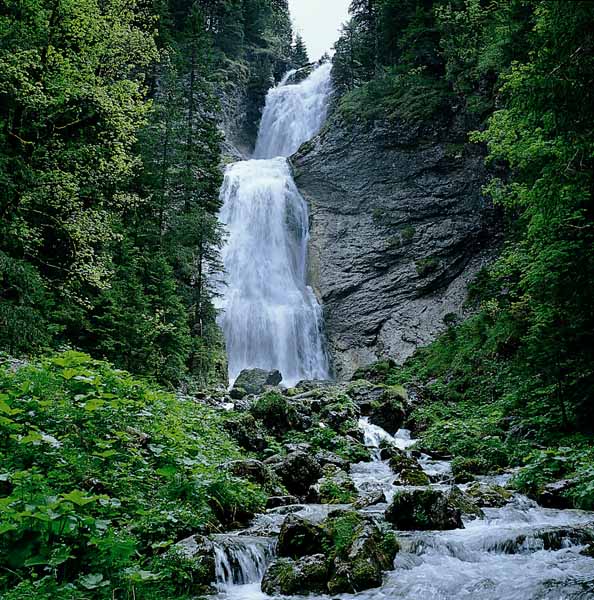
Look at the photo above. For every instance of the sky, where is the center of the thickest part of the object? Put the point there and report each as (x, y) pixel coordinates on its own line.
(318, 21)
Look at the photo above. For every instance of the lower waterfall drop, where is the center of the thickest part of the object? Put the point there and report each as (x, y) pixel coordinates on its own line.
(269, 315)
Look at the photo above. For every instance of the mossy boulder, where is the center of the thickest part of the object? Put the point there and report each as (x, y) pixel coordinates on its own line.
(299, 537)
(246, 431)
(356, 554)
(257, 472)
(361, 553)
(306, 575)
(298, 471)
(336, 487)
(254, 381)
(423, 509)
(278, 414)
(489, 496)
(413, 476)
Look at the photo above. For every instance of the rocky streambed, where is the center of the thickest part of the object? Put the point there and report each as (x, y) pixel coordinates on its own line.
(355, 511)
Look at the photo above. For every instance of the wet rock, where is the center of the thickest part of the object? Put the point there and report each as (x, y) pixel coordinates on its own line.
(360, 561)
(370, 498)
(254, 381)
(556, 494)
(299, 537)
(336, 487)
(414, 476)
(247, 432)
(423, 509)
(389, 411)
(365, 394)
(489, 496)
(307, 575)
(256, 472)
(307, 385)
(279, 415)
(298, 471)
(198, 555)
(278, 501)
(325, 457)
(399, 460)
(466, 503)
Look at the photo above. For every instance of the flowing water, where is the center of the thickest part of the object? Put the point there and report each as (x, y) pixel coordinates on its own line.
(519, 552)
(270, 317)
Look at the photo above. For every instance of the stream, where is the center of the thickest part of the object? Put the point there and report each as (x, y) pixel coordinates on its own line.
(518, 552)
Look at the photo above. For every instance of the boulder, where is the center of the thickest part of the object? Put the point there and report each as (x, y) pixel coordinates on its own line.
(389, 411)
(370, 498)
(325, 457)
(307, 575)
(423, 509)
(298, 471)
(279, 414)
(466, 503)
(277, 501)
(197, 554)
(489, 496)
(336, 487)
(257, 472)
(247, 432)
(556, 494)
(413, 476)
(361, 554)
(299, 537)
(254, 381)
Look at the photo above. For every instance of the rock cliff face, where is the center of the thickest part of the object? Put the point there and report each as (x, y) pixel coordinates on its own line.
(398, 229)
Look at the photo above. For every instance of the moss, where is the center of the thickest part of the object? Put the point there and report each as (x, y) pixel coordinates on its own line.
(275, 412)
(408, 233)
(342, 529)
(426, 266)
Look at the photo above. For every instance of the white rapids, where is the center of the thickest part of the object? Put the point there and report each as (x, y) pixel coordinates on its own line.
(269, 315)
(519, 552)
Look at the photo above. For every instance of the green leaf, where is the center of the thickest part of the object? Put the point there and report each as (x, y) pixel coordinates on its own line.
(79, 498)
(92, 581)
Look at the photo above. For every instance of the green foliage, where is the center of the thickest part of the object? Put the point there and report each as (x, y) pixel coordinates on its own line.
(574, 463)
(342, 530)
(100, 473)
(411, 96)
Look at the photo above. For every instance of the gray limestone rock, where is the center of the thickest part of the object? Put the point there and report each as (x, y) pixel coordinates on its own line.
(399, 227)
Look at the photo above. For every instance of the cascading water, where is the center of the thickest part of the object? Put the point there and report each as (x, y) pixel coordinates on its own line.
(270, 317)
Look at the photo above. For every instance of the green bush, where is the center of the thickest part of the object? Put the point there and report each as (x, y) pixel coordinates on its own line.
(101, 472)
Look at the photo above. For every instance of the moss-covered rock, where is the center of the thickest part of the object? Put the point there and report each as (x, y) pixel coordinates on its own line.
(361, 553)
(336, 487)
(298, 471)
(307, 575)
(490, 496)
(254, 381)
(423, 509)
(299, 537)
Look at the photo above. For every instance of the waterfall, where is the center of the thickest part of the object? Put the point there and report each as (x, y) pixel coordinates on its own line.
(270, 317)
(241, 560)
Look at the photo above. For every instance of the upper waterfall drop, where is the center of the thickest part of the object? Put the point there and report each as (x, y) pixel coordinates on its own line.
(270, 317)
(293, 114)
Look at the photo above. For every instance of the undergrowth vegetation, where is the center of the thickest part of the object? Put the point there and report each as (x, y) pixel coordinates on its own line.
(101, 475)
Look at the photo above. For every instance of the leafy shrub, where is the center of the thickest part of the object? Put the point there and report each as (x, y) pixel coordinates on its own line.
(100, 472)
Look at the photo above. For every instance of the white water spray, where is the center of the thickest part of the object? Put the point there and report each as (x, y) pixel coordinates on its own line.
(270, 317)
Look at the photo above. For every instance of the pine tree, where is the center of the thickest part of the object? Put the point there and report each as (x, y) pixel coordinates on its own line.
(299, 52)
